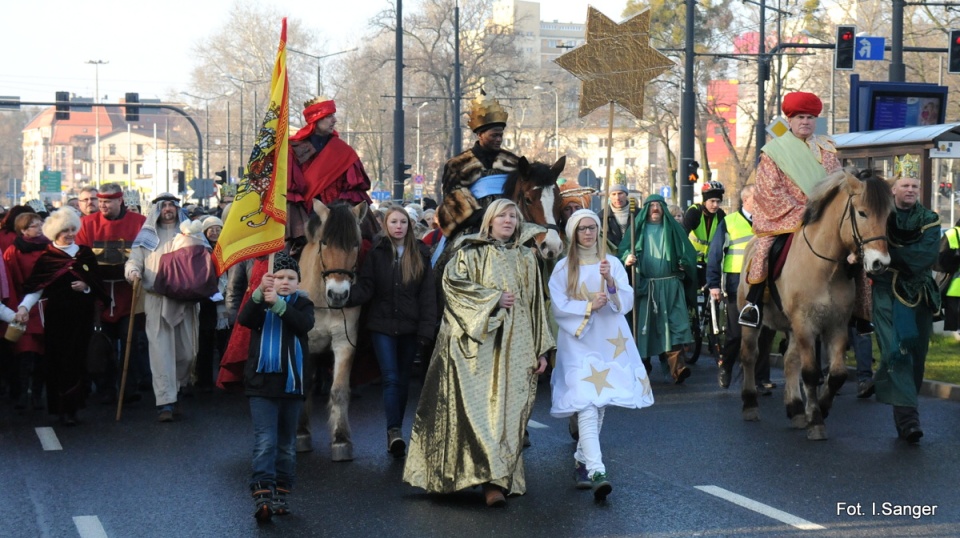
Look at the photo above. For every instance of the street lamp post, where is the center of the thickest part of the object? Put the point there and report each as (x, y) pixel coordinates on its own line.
(242, 88)
(96, 112)
(206, 126)
(318, 58)
(419, 108)
(556, 119)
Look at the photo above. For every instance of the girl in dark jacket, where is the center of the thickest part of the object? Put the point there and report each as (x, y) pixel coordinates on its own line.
(279, 318)
(403, 314)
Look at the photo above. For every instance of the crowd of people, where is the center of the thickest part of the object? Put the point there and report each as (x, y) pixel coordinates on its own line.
(501, 318)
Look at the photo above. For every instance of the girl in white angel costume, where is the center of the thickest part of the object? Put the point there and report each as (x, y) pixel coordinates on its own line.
(597, 359)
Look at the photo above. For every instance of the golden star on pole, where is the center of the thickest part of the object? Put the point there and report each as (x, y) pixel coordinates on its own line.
(598, 379)
(615, 63)
(619, 343)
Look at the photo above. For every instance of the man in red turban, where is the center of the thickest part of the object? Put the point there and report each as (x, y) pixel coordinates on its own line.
(321, 166)
(789, 168)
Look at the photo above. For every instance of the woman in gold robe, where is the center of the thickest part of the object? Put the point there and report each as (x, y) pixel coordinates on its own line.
(480, 387)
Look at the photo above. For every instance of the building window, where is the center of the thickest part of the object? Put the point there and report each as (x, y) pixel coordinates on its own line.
(508, 142)
(630, 142)
(126, 168)
(112, 149)
(139, 149)
(603, 142)
(581, 142)
(630, 161)
(111, 169)
(139, 169)
(603, 161)
(582, 163)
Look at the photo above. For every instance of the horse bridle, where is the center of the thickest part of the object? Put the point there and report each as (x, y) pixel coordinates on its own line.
(857, 238)
(523, 209)
(324, 273)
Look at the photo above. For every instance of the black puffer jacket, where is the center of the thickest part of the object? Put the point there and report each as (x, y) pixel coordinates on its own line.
(298, 319)
(395, 308)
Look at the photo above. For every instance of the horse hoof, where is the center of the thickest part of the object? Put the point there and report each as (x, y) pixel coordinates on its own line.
(751, 415)
(341, 451)
(304, 443)
(817, 433)
(798, 422)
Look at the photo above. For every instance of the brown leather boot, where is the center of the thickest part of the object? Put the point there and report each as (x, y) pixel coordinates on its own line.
(678, 367)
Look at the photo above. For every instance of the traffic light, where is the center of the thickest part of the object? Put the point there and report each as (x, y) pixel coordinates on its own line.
(181, 181)
(221, 177)
(953, 50)
(693, 171)
(63, 106)
(946, 188)
(404, 172)
(132, 113)
(844, 54)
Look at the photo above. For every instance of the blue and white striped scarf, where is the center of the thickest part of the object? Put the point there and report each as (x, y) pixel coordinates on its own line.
(271, 350)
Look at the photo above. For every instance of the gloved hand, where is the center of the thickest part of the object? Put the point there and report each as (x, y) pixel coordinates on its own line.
(424, 347)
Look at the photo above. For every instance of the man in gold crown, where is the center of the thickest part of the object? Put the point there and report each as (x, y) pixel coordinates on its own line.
(476, 176)
(905, 298)
(321, 166)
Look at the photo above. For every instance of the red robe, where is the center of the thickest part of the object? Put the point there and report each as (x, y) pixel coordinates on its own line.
(95, 228)
(19, 267)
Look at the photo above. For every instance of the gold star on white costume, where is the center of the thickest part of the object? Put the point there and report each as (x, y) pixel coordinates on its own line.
(620, 343)
(598, 379)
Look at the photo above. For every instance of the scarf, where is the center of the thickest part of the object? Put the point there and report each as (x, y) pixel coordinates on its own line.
(800, 160)
(622, 214)
(272, 351)
(27, 245)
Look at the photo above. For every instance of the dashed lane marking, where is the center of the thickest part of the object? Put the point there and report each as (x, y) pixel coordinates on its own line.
(534, 424)
(89, 527)
(761, 508)
(48, 439)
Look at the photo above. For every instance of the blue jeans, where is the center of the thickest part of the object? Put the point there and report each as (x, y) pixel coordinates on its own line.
(863, 351)
(274, 439)
(395, 355)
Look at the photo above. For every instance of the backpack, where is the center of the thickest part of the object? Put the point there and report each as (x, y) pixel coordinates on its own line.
(187, 272)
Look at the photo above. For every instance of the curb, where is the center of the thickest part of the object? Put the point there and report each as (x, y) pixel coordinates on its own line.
(933, 389)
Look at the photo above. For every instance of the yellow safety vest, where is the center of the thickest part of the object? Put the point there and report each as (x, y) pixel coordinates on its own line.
(700, 238)
(739, 232)
(954, 243)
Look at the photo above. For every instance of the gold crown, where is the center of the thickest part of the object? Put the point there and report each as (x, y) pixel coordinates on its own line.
(315, 100)
(485, 110)
(908, 166)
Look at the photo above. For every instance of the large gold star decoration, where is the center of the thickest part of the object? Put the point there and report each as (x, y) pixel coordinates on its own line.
(615, 63)
(598, 379)
(619, 343)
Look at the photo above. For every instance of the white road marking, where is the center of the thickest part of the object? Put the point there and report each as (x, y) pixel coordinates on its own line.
(48, 439)
(761, 508)
(534, 424)
(89, 527)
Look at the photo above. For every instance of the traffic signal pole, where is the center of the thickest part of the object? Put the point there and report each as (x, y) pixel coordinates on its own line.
(687, 104)
(398, 127)
(898, 71)
(16, 103)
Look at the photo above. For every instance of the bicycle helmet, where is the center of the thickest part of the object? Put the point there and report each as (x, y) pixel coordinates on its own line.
(712, 189)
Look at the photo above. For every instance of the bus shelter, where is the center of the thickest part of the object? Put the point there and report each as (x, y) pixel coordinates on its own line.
(937, 146)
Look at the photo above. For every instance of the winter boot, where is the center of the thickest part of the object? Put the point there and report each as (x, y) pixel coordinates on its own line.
(263, 497)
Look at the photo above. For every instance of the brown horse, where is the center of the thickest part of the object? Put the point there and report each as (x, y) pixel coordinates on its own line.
(328, 265)
(845, 215)
(534, 189)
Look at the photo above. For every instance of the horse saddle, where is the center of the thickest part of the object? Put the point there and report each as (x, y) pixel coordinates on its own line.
(778, 255)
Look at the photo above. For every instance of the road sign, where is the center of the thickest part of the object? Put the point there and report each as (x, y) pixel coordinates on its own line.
(50, 181)
(778, 127)
(869, 48)
(418, 179)
(418, 191)
(380, 196)
(203, 188)
(666, 191)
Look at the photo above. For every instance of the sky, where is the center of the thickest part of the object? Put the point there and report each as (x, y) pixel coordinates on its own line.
(46, 43)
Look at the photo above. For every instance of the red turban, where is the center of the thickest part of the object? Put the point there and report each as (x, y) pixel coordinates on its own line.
(801, 103)
(318, 111)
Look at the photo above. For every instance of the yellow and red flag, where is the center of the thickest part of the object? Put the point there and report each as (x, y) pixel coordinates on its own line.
(257, 219)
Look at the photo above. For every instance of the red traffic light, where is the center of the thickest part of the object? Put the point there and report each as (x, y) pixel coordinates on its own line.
(846, 36)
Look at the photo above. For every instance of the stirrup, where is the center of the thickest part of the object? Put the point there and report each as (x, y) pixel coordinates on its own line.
(750, 316)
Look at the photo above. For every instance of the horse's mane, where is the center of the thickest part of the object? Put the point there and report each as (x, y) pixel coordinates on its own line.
(876, 195)
(539, 174)
(340, 231)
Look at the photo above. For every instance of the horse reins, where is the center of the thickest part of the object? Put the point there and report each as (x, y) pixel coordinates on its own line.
(857, 239)
(524, 209)
(324, 273)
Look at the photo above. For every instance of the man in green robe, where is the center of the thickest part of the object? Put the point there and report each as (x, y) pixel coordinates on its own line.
(904, 300)
(665, 285)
